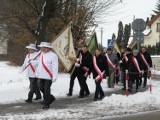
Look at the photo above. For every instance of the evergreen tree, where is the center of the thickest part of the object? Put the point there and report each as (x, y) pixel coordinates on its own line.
(126, 35)
(157, 9)
(113, 36)
(120, 34)
(147, 20)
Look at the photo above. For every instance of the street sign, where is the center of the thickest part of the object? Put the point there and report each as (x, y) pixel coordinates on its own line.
(110, 43)
(138, 25)
(139, 37)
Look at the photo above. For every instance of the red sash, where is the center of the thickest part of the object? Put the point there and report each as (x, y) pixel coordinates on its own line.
(110, 63)
(100, 74)
(144, 60)
(30, 65)
(125, 58)
(45, 67)
(136, 64)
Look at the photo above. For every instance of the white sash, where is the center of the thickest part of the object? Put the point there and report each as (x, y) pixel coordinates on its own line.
(100, 74)
(136, 64)
(110, 63)
(144, 60)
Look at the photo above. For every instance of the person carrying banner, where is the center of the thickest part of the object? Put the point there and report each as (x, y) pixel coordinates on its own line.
(74, 74)
(31, 72)
(147, 63)
(113, 63)
(47, 72)
(99, 69)
(84, 64)
(134, 70)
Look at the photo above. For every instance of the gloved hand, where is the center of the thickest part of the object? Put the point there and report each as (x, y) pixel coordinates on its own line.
(53, 80)
(107, 77)
(120, 61)
(142, 72)
(77, 65)
(86, 74)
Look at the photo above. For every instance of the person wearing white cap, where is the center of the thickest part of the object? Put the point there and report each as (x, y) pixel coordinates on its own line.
(31, 72)
(47, 72)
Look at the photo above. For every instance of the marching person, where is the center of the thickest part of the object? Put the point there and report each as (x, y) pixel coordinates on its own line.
(84, 64)
(99, 69)
(117, 72)
(74, 74)
(123, 64)
(113, 63)
(31, 72)
(134, 70)
(47, 72)
(147, 63)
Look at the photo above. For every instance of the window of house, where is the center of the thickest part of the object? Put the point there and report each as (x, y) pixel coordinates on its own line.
(158, 27)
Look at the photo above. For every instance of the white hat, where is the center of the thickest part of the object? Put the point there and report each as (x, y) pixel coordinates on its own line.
(31, 46)
(45, 44)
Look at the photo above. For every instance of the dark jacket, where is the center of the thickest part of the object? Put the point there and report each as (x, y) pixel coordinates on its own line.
(124, 62)
(148, 59)
(102, 65)
(133, 72)
(85, 62)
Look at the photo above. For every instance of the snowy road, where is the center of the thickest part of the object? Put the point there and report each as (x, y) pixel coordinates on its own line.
(23, 110)
(14, 90)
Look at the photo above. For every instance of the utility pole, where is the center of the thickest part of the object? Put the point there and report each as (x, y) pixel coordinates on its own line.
(101, 35)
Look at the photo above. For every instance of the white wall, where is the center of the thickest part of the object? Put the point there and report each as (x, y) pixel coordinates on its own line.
(154, 36)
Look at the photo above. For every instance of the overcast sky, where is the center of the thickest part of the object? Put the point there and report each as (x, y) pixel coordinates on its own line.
(126, 11)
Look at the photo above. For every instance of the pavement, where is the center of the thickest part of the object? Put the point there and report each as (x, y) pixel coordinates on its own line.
(154, 115)
(68, 102)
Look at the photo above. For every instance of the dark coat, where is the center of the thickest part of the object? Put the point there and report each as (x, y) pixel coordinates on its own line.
(148, 59)
(133, 72)
(123, 65)
(85, 62)
(102, 65)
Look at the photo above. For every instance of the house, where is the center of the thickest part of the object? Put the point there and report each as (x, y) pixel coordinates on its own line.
(151, 33)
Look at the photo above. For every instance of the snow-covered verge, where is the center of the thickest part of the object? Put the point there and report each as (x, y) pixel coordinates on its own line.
(14, 88)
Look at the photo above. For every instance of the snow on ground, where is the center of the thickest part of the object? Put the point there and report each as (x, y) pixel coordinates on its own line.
(14, 88)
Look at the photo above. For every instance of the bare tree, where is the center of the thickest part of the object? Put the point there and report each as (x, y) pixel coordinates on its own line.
(40, 20)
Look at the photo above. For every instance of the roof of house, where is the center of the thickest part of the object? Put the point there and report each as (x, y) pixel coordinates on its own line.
(153, 19)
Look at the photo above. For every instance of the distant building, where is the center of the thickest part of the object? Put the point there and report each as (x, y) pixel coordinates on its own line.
(151, 33)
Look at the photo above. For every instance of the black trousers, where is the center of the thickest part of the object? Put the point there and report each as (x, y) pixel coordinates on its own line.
(73, 77)
(83, 85)
(116, 79)
(124, 79)
(33, 88)
(44, 86)
(99, 90)
(131, 81)
(145, 75)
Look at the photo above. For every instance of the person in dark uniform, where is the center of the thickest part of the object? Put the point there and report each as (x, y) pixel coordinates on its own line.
(74, 74)
(147, 63)
(123, 64)
(117, 72)
(134, 70)
(99, 69)
(84, 65)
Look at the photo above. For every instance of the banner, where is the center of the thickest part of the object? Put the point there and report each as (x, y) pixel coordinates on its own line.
(93, 44)
(63, 47)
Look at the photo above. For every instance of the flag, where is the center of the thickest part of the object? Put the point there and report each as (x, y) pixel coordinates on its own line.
(93, 44)
(63, 47)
